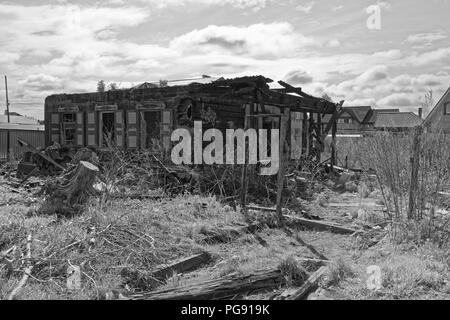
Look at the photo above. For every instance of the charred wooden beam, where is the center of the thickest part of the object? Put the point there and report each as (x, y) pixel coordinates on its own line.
(295, 90)
(335, 116)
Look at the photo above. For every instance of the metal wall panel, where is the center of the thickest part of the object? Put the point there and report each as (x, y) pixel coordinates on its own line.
(35, 138)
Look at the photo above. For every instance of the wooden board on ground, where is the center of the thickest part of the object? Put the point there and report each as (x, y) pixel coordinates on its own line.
(181, 265)
(320, 225)
(222, 288)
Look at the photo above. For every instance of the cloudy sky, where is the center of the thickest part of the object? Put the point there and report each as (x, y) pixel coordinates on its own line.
(60, 46)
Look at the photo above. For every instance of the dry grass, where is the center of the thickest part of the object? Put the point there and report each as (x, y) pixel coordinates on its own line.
(338, 271)
(105, 240)
(293, 273)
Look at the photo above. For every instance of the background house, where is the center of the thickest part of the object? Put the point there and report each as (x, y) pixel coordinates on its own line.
(439, 117)
(396, 121)
(353, 120)
(357, 120)
(19, 126)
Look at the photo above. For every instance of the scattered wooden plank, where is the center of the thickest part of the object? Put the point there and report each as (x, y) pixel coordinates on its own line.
(40, 154)
(309, 285)
(320, 225)
(351, 205)
(181, 265)
(311, 260)
(142, 280)
(222, 288)
(262, 208)
(138, 196)
(32, 172)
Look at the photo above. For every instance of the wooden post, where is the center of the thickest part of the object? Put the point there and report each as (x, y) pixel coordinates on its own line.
(244, 180)
(310, 135)
(280, 179)
(305, 131)
(414, 183)
(8, 143)
(333, 144)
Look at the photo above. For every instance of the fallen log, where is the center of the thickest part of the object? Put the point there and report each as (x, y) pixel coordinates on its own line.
(222, 288)
(320, 225)
(309, 285)
(144, 280)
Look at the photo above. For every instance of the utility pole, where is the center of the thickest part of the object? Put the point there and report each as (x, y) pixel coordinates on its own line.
(8, 154)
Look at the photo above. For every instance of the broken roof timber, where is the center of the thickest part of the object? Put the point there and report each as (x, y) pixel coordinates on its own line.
(300, 104)
(298, 91)
(251, 89)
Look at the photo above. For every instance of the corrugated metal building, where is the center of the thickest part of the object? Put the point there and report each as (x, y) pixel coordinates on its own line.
(31, 132)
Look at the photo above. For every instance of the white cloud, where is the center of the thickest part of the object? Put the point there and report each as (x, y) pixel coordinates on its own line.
(306, 8)
(68, 48)
(441, 56)
(42, 82)
(333, 43)
(384, 5)
(298, 76)
(272, 40)
(426, 38)
(254, 5)
(398, 100)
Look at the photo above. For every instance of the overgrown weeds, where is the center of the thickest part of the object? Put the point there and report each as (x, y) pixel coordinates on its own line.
(105, 240)
(412, 190)
(338, 271)
(294, 274)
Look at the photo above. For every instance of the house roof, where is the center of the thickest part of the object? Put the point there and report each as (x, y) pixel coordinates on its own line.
(16, 126)
(234, 91)
(145, 85)
(397, 120)
(387, 110)
(358, 112)
(18, 119)
(436, 105)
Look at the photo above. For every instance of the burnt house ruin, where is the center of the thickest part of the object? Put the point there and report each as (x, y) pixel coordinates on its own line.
(142, 117)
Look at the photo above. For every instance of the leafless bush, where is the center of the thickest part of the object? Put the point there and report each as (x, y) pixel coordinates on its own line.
(411, 197)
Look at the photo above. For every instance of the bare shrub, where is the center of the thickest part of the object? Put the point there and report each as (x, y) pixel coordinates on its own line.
(406, 196)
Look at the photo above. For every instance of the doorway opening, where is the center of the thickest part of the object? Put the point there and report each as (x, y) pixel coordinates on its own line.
(151, 129)
(108, 129)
